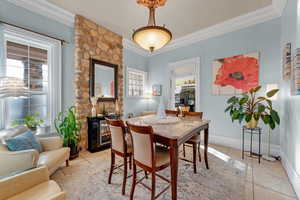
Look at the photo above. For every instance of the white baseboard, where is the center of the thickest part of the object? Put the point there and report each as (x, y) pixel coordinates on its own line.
(292, 174)
(237, 144)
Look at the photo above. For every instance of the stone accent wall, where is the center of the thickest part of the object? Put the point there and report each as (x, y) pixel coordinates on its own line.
(94, 41)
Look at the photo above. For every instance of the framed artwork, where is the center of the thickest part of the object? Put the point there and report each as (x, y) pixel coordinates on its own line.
(156, 90)
(235, 75)
(287, 62)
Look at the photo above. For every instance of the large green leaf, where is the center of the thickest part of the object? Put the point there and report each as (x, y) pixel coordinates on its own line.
(241, 117)
(275, 116)
(248, 117)
(257, 89)
(228, 108)
(271, 93)
(232, 99)
(243, 100)
(266, 119)
(261, 108)
(272, 123)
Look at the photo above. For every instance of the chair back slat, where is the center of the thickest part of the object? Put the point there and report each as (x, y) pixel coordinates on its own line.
(172, 112)
(117, 131)
(193, 115)
(142, 140)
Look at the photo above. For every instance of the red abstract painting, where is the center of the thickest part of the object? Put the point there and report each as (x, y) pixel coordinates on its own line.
(236, 75)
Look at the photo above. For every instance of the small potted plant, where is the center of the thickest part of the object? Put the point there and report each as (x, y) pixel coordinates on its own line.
(250, 108)
(30, 121)
(69, 128)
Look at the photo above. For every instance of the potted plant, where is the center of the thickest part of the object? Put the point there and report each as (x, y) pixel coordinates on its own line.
(30, 121)
(250, 108)
(69, 128)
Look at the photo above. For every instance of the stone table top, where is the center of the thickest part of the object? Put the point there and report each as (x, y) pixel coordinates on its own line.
(171, 131)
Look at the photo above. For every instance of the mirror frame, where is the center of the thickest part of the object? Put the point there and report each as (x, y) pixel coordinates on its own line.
(93, 62)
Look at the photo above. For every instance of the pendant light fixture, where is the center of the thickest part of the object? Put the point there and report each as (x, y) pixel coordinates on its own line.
(152, 37)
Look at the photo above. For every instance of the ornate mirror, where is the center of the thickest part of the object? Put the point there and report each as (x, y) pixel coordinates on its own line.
(103, 80)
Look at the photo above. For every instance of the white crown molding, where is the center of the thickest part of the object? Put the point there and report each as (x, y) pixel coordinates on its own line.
(130, 45)
(47, 9)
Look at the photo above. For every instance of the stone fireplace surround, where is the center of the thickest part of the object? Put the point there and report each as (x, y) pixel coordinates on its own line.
(97, 42)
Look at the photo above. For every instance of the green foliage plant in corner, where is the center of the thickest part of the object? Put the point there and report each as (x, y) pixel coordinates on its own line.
(250, 108)
(69, 128)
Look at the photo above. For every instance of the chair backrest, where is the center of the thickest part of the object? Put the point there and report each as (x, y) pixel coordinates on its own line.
(172, 112)
(193, 115)
(117, 131)
(143, 144)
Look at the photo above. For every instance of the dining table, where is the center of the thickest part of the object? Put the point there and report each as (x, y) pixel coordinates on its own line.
(174, 134)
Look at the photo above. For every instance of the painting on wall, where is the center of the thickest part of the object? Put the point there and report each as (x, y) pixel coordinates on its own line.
(235, 75)
(287, 61)
(156, 90)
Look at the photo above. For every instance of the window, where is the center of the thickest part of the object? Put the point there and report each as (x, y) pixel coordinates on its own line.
(136, 82)
(34, 61)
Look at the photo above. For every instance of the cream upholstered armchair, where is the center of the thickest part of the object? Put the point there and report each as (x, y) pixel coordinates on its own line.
(53, 155)
(33, 184)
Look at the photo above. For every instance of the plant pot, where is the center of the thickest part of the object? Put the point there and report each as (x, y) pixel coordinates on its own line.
(252, 123)
(74, 151)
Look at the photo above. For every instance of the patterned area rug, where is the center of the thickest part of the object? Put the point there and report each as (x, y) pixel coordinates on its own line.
(86, 179)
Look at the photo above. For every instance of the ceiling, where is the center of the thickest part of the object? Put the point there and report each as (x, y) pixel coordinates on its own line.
(181, 17)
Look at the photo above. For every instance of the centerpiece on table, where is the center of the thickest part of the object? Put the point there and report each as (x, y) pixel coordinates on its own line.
(251, 108)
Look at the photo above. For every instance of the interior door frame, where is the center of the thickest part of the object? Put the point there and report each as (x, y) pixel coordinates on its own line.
(171, 67)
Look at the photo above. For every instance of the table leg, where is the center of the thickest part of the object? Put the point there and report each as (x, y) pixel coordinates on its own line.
(174, 169)
(206, 147)
(259, 146)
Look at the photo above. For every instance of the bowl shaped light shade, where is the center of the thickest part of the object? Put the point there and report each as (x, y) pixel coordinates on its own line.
(152, 37)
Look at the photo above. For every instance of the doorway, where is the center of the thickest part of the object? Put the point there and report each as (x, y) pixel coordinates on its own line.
(184, 88)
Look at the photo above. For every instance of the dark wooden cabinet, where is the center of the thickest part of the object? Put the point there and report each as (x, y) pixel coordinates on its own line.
(98, 133)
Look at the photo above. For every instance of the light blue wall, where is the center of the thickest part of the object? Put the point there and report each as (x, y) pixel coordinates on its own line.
(290, 128)
(22, 17)
(134, 105)
(264, 38)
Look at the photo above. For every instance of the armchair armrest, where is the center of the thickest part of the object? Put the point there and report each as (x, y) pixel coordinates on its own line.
(13, 161)
(13, 185)
(51, 143)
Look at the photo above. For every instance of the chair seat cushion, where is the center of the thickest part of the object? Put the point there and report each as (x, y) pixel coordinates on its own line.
(42, 191)
(53, 158)
(162, 156)
(195, 139)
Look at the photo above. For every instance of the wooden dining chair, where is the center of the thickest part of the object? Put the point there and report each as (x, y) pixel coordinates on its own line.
(121, 145)
(195, 141)
(149, 157)
(172, 112)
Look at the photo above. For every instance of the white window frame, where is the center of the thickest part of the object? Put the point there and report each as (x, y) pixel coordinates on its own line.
(54, 49)
(145, 74)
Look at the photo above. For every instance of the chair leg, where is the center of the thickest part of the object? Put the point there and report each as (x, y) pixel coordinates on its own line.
(153, 186)
(112, 166)
(133, 182)
(130, 162)
(67, 163)
(124, 176)
(199, 152)
(184, 150)
(195, 157)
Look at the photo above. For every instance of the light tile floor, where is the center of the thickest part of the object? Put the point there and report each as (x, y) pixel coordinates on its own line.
(267, 180)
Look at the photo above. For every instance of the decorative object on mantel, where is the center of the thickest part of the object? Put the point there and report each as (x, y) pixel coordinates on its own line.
(161, 111)
(235, 75)
(69, 128)
(296, 74)
(251, 108)
(268, 156)
(94, 101)
(156, 90)
(287, 61)
(104, 112)
(117, 108)
(152, 37)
